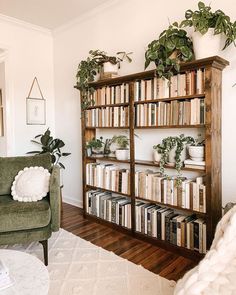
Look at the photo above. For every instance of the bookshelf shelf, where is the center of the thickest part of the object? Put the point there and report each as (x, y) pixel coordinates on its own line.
(174, 207)
(211, 97)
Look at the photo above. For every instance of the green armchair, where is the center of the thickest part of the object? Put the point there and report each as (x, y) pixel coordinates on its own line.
(22, 222)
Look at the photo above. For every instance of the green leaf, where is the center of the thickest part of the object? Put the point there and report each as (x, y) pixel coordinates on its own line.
(61, 165)
(66, 154)
(34, 152)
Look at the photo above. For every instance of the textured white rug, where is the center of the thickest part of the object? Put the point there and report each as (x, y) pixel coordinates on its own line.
(77, 267)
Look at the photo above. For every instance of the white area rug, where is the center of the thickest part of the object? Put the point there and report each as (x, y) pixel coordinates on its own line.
(78, 267)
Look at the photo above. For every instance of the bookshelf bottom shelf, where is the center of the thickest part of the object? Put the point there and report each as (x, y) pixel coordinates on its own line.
(193, 255)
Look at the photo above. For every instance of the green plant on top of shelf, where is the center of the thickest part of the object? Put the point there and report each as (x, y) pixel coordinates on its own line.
(172, 47)
(101, 57)
(169, 143)
(204, 19)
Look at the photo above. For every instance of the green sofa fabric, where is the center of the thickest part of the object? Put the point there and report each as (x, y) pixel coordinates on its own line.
(10, 166)
(20, 215)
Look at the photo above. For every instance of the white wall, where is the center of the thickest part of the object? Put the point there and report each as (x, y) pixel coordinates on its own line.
(3, 141)
(28, 53)
(128, 25)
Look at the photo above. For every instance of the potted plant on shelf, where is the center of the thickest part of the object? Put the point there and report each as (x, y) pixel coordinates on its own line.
(173, 150)
(95, 147)
(172, 47)
(196, 149)
(90, 68)
(213, 31)
(122, 152)
(50, 145)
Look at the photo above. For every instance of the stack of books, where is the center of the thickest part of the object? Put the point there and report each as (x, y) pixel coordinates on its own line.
(5, 279)
(190, 194)
(110, 207)
(165, 224)
(183, 84)
(108, 176)
(175, 112)
(107, 117)
(111, 94)
(201, 165)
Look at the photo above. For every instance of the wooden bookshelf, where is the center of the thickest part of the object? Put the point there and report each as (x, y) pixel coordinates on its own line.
(212, 96)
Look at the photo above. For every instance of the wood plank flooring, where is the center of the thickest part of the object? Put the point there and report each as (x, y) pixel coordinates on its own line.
(155, 259)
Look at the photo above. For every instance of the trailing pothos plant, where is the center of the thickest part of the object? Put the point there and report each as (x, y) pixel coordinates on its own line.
(203, 19)
(89, 68)
(172, 47)
(50, 145)
(167, 145)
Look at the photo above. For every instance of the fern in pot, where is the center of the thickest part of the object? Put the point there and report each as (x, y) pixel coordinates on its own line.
(172, 46)
(122, 152)
(95, 147)
(213, 31)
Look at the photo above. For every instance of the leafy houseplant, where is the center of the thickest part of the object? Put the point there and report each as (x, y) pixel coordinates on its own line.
(122, 152)
(89, 68)
(172, 46)
(206, 22)
(96, 145)
(50, 145)
(196, 149)
(168, 144)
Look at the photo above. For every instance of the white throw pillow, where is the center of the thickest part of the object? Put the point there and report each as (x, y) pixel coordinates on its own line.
(31, 184)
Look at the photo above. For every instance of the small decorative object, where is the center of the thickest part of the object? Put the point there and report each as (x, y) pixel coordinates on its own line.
(88, 69)
(122, 152)
(96, 146)
(31, 184)
(35, 107)
(178, 143)
(213, 31)
(107, 147)
(172, 47)
(197, 149)
(50, 145)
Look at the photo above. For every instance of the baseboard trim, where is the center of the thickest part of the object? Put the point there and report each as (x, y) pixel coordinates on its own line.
(73, 202)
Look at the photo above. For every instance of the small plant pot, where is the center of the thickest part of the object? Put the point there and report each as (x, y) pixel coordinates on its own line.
(97, 152)
(208, 44)
(172, 155)
(122, 155)
(110, 68)
(156, 156)
(196, 153)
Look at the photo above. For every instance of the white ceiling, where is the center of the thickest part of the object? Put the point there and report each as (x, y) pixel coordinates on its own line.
(47, 13)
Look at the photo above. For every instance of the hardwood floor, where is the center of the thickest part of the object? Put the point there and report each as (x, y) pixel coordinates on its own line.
(157, 260)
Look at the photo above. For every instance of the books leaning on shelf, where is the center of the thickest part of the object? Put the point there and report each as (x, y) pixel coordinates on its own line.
(165, 224)
(190, 194)
(110, 207)
(107, 117)
(175, 112)
(108, 176)
(201, 165)
(111, 94)
(183, 84)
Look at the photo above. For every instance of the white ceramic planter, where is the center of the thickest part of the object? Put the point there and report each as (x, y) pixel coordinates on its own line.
(208, 44)
(122, 155)
(172, 155)
(156, 156)
(196, 153)
(110, 68)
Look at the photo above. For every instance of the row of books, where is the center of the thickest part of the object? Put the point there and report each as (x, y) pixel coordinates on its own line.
(187, 112)
(108, 176)
(111, 94)
(110, 207)
(188, 83)
(108, 117)
(189, 194)
(165, 224)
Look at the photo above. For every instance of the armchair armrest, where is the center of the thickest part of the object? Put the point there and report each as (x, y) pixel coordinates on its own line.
(55, 198)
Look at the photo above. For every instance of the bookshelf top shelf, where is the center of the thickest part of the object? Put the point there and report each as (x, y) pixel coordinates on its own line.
(214, 61)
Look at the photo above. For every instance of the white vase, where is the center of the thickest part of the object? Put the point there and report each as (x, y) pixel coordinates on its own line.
(156, 156)
(208, 44)
(110, 68)
(182, 157)
(122, 155)
(196, 153)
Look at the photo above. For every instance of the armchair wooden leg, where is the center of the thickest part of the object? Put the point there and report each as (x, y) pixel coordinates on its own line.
(45, 251)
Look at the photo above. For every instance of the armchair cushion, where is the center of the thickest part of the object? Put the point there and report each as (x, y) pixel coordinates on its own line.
(17, 216)
(10, 166)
